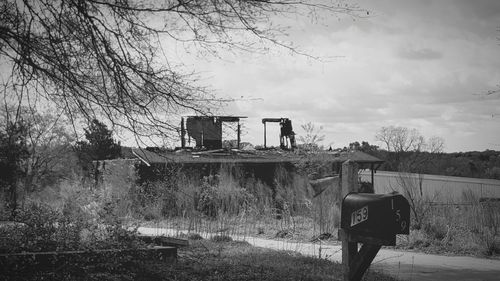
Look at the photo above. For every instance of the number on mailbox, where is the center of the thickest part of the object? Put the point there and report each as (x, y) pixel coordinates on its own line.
(359, 216)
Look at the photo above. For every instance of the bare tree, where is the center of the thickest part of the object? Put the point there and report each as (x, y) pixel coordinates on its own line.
(313, 136)
(435, 144)
(48, 143)
(109, 59)
(401, 139)
(385, 135)
(410, 177)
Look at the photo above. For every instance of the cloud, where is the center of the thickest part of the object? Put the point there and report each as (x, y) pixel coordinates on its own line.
(480, 9)
(407, 66)
(419, 54)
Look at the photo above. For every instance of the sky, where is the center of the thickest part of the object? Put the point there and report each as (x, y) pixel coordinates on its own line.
(424, 64)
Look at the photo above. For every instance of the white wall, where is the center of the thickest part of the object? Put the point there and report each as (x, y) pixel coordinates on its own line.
(439, 188)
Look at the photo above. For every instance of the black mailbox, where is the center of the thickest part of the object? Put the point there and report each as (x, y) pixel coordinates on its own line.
(375, 217)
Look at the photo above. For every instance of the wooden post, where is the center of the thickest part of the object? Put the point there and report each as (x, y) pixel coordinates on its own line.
(239, 135)
(349, 184)
(373, 177)
(183, 134)
(264, 134)
(349, 177)
(354, 262)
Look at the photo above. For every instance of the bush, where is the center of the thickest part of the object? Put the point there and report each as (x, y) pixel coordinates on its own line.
(223, 197)
(153, 200)
(207, 203)
(489, 243)
(221, 238)
(492, 247)
(436, 228)
(41, 227)
(195, 236)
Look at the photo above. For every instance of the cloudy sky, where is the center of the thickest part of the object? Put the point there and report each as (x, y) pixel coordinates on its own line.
(419, 64)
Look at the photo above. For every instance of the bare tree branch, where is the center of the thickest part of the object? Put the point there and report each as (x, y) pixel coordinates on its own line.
(106, 59)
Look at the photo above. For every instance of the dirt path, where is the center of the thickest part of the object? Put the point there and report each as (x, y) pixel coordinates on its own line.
(404, 265)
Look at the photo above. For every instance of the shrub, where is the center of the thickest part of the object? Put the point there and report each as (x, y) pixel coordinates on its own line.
(489, 242)
(221, 238)
(260, 230)
(207, 203)
(194, 236)
(75, 224)
(153, 200)
(436, 228)
(218, 197)
(491, 246)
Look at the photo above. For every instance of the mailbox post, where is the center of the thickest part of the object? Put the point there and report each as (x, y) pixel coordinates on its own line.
(370, 219)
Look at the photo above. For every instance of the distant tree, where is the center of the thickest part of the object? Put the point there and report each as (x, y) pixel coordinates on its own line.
(99, 144)
(435, 144)
(400, 139)
(364, 146)
(312, 136)
(368, 148)
(51, 155)
(354, 146)
(13, 155)
(408, 150)
(48, 141)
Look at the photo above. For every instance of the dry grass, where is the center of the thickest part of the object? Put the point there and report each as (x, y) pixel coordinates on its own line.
(249, 208)
(218, 259)
(208, 260)
(287, 211)
(225, 203)
(465, 229)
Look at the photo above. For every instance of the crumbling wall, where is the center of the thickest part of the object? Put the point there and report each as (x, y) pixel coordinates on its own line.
(206, 131)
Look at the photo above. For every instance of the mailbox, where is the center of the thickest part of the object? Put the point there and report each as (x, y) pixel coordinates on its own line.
(375, 217)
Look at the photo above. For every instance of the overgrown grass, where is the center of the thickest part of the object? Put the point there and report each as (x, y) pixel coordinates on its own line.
(240, 261)
(208, 260)
(226, 205)
(231, 204)
(205, 260)
(74, 218)
(468, 228)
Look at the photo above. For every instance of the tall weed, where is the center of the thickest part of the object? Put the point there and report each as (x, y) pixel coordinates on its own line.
(75, 219)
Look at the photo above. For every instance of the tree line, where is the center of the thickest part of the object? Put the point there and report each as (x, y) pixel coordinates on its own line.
(406, 150)
(40, 150)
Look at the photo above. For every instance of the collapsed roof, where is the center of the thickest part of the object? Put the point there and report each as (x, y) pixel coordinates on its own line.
(364, 160)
